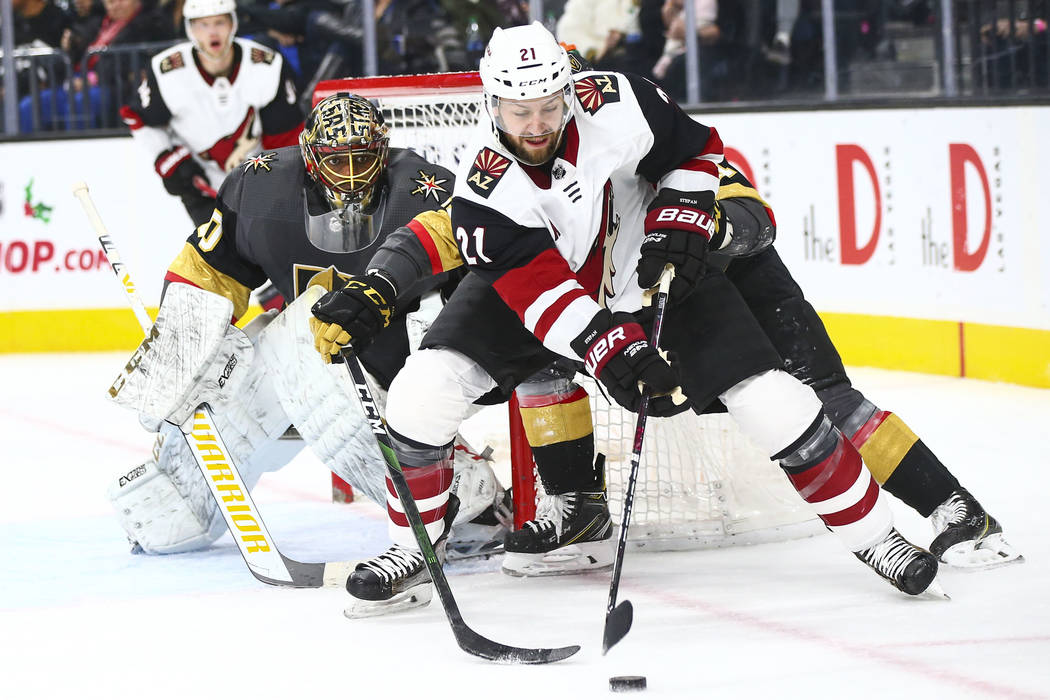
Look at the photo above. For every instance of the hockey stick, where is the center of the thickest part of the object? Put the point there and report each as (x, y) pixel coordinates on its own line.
(618, 618)
(231, 495)
(468, 640)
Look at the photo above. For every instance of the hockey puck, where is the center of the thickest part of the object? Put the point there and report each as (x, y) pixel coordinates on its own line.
(624, 684)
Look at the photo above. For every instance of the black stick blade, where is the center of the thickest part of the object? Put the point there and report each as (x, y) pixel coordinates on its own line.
(473, 643)
(617, 625)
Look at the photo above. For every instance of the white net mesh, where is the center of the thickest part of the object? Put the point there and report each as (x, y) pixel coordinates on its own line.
(701, 482)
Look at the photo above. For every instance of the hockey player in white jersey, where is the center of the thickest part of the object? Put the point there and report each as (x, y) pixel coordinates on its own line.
(209, 103)
(573, 200)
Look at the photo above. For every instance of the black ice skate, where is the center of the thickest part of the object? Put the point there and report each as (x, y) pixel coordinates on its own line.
(908, 568)
(571, 533)
(397, 579)
(967, 536)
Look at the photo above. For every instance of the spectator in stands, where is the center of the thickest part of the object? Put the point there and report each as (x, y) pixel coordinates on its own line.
(38, 24)
(298, 29)
(1014, 53)
(85, 16)
(125, 22)
(418, 36)
(605, 32)
(858, 26)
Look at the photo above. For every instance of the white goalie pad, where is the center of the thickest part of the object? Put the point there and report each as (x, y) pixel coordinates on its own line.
(321, 400)
(165, 505)
(191, 355)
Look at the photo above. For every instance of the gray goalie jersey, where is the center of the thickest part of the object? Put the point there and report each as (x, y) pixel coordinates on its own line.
(258, 231)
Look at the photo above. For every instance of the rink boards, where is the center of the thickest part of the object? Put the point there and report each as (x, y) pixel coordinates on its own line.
(916, 233)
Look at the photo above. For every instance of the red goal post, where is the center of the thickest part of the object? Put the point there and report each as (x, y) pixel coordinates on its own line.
(701, 482)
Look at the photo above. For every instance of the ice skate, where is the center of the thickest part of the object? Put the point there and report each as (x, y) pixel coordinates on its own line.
(968, 537)
(908, 568)
(397, 579)
(571, 533)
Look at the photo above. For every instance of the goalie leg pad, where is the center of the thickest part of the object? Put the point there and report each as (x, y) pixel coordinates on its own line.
(191, 356)
(164, 511)
(251, 421)
(320, 400)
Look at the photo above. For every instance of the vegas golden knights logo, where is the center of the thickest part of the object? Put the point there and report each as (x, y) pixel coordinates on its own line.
(488, 168)
(597, 91)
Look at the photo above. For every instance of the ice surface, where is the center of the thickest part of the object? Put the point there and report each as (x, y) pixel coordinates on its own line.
(80, 617)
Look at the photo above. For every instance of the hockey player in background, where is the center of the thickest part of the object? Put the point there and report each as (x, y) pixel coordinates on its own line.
(579, 192)
(208, 103)
(300, 217)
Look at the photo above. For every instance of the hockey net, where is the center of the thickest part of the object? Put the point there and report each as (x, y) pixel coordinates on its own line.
(701, 483)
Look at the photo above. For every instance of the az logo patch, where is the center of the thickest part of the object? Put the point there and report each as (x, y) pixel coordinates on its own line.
(488, 168)
(597, 91)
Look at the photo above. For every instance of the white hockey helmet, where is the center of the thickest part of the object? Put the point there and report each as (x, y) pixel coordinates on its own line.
(525, 63)
(195, 9)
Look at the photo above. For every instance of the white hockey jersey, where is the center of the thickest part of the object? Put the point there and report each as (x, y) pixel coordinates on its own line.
(221, 120)
(562, 240)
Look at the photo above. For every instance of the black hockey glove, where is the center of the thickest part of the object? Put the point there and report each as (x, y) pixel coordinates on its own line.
(678, 230)
(181, 174)
(353, 315)
(615, 350)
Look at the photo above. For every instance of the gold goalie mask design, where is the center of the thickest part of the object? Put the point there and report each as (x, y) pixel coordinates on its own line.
(345, 146)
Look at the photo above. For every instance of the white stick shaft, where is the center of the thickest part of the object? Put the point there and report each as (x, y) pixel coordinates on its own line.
(80, 190)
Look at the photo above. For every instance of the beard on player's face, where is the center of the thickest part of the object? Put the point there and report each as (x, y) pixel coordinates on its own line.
(534, 150)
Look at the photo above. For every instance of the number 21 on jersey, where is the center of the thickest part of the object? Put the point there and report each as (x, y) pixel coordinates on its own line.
(475, 243)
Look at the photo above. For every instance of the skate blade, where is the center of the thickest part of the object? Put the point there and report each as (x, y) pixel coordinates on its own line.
(934, 592)
(990, 553)
(415, 597)
(459, 551)
(572, 559)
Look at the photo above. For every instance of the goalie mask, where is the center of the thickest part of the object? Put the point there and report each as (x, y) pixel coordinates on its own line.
(527, 79)
(197, 9)
(345, 146)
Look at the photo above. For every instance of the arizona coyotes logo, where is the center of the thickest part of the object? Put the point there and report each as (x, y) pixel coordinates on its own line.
(597, 91)
(429, 185)
(488, 168)
(262, 56)
(231, 150)
(171, 62)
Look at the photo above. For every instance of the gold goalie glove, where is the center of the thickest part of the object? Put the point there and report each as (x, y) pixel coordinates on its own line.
(352, 316)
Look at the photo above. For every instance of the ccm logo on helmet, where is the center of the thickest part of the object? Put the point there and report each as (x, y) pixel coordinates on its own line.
(532, 82)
